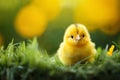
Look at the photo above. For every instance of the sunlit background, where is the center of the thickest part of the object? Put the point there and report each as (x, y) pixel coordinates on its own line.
(47, 19)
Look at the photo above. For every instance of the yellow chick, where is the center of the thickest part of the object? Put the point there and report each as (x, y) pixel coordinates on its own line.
(76, 45)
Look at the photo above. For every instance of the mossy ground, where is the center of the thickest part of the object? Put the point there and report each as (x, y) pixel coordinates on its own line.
(27, 61)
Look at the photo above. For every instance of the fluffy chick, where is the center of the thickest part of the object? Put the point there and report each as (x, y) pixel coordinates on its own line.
(76, 45)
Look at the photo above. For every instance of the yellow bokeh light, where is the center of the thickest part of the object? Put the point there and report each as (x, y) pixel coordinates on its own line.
(50, 7)
(30, 22)
(97, 12)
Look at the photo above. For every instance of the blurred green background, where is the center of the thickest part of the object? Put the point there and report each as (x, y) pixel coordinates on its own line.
(47, 19)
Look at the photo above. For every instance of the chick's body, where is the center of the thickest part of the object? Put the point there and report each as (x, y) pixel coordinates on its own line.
(76, 45)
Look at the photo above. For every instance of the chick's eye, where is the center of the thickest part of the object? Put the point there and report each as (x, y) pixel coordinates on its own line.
(71, 36)
(83, 35)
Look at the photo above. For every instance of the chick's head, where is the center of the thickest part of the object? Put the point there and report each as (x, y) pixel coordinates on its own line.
(76, 35)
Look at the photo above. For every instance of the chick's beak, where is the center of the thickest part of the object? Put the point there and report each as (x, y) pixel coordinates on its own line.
(78, 38)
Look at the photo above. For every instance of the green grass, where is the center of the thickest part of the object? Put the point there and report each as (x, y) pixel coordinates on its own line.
(27, 61)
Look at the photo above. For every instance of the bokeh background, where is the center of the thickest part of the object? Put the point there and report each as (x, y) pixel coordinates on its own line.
(47, 19)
